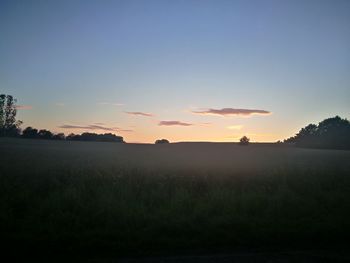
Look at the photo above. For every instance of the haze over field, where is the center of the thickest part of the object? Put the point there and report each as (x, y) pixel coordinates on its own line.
(181, 70)
(98, 199)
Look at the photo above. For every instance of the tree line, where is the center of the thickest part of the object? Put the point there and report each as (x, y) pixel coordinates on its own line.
(331, 133)
(10, 127)
(32, 133)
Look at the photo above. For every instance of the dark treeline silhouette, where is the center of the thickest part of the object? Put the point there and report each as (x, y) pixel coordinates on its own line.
(331, 133)
(32, 133)
(10, 127)
(87, 136)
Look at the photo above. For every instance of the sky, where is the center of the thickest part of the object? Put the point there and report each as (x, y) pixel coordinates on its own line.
(181, 70)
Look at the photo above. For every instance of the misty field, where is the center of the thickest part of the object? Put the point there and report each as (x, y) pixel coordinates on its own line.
(129, 198)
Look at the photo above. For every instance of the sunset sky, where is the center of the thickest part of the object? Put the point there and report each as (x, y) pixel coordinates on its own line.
(181, 70)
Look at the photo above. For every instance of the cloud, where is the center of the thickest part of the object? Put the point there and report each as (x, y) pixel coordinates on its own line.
(24, 107)
(231, 112)
(205, 124)
(99, 127)
(174, 123)
(95, 126)
(138, 113)
(60, 104)
(88, 127)
(110, 103)
(235, 127)
(126, 130)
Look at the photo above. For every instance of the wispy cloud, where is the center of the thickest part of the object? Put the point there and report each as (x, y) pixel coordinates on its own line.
(138, 113)
(110, 103)
(95, 126)
(88, 127)
(235, 127)
(59, 104)
(24, 107)
(125, 130)
(174, 123)
(204, 124)
(232, 112)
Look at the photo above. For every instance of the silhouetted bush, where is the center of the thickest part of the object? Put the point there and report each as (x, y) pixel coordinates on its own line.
(59, 136)
(331, 133)
(30, 132)
(161, 141)
(244, 140)
(70, 137)
(45, 134)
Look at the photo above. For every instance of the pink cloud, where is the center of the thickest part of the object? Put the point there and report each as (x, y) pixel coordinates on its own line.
(126, 130)
(95, 126)
(88, 127)
(231, 112)
(138, 113)
(174, 123)
(24, 107)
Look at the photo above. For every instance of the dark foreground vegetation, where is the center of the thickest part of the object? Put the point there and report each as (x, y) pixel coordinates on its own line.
(125, 199)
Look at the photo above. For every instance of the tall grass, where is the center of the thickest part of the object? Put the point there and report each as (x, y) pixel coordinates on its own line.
(137, 198)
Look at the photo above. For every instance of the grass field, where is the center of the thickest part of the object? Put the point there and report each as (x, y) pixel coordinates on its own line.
(138, 199)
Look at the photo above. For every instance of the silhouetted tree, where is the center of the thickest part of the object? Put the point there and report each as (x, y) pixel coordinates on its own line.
(45, 134)
(29, 132)
(332, 133)
(59, 136)
(161, 141)
(9, 126)
(244, 140)
(70, 137)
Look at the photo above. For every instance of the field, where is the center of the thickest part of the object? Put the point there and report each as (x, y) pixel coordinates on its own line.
(130, 199)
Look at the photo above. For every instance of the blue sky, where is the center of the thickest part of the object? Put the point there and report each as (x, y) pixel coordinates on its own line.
(79, 63)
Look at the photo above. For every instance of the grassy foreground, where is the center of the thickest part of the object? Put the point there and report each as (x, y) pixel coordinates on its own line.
(127, 199)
